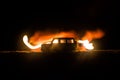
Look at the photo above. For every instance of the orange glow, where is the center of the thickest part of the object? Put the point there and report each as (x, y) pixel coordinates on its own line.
(39, 38)
(90, 35)
(25, 40)
(86, 44)
(55, 41)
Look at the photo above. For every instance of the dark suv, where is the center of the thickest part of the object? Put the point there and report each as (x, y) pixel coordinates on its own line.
(59, 44)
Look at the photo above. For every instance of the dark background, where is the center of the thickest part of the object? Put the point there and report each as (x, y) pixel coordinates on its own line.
(25, 18)
(19, 18)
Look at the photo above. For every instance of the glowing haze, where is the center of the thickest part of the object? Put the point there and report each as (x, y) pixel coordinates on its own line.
(40, 37)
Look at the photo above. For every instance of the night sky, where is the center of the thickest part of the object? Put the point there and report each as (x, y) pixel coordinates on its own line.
(17, 20)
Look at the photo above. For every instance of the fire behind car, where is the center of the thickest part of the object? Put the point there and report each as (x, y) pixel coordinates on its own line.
(60, 44)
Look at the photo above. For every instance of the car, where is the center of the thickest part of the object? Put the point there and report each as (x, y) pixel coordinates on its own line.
(60, 44)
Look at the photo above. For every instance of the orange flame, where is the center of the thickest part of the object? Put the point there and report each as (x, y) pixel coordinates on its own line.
(90, 35)
(39, 38)
(25, 40)
(86, 44)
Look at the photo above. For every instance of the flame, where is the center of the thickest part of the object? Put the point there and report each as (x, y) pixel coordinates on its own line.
(39, 38)
(90, 35)
(86, 44)
(25, 40)
(42, 37)
(55, 41)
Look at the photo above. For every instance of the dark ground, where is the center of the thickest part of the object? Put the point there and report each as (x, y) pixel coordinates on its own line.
(96, 65)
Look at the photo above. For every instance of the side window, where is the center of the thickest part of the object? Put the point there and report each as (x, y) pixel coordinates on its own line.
(62, 41)
(70, 41)
(55, 41)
